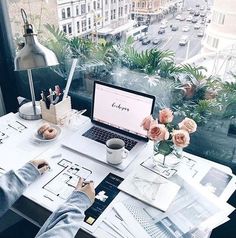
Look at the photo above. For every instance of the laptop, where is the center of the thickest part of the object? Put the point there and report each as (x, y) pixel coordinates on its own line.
(116, 113)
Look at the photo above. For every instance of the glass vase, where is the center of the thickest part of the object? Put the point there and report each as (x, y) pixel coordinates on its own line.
(167, 159)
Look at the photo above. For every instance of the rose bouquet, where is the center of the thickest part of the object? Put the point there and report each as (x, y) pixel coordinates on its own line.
(169, 139)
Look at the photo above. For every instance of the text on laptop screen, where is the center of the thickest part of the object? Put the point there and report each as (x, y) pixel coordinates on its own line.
(121, 109)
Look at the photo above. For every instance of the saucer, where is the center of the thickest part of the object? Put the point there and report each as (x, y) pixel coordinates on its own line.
(40, 138)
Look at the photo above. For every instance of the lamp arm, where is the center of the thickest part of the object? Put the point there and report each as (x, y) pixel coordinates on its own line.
(31, 86)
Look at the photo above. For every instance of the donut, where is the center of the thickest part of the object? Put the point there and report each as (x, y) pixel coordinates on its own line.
(43, 128)
(50, 133)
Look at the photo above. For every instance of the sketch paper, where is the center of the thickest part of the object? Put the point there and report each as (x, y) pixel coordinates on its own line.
(150, 187)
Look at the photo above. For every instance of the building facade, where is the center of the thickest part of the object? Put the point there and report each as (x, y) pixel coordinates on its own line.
(93, 17)
(221, 32)
(146, 11)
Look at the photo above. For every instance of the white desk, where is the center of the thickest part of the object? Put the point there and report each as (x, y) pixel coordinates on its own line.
(36, 204)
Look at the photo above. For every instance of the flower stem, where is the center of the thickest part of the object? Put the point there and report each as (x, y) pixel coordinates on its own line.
(164, 160)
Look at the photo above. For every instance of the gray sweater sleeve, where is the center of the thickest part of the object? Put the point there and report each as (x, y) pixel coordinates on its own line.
(67, 219)
(13, 184)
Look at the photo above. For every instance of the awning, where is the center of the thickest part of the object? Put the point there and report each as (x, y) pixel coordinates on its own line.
(122, 28)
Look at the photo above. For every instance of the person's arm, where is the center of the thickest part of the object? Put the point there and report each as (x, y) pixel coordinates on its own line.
(67, 219)
(13, 184)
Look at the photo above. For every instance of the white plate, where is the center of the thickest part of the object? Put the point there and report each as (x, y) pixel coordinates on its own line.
(40, 137)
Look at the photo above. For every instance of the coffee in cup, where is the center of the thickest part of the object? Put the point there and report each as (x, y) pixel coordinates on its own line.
(115, 151)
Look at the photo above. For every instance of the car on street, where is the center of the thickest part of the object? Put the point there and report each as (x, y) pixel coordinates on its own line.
(182, 18)
(146, 41)
(189, 9)
(163, 25)
(196, 26)
(189, 18)
(194, 20)
(202, 8)
(174, 28)
(202, 14)
(196, 13)
(142, 38)
(186, 28)
(156, 41)
(197, 5)
(183, 40)
(161, 31)
(178, 17)
(191, 12)
(200, 33)
(203, 21)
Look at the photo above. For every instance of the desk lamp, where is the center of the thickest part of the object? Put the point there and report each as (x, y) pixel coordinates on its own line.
(33, 55)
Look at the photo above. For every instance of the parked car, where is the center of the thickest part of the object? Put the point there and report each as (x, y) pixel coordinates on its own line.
(142, 38)
(200, 33)
(189, 9)
(197, 5)
(156, 41)
(189, 18)
(202, 14)
(161, 31)
(163, 25)
(146, 41)
(196, 13)
(194, 20)
(186, 28)
(196, 26)
(182, 18)
(202, 8)
(178, 17)
(183, 40)
(192, 12)
(174, 28)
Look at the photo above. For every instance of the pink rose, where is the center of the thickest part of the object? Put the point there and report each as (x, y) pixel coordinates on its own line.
(165, 116)
(147, 122)
(180, 138)
(188, 125)
(158, 132)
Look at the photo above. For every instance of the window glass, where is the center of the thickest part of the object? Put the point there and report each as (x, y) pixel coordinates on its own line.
(107, 53)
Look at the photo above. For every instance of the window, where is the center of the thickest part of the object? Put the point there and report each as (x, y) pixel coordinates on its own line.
(77, 10)
(89, 23)
(126, 9)
(98, 5)
(55, 14)
(106, 16)
(68, 12)
(78, 27)
(212, 41)
(84, 25)
(63, 13)
(64, 28)
(83, 8)
(218, 17)
(69, 29)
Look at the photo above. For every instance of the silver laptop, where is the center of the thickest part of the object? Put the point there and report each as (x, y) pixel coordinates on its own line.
(116, 113)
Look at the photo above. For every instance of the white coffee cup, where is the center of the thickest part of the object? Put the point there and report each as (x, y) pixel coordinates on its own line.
(115, 151)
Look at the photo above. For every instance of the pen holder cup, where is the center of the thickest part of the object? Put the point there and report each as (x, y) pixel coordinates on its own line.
(56, 112)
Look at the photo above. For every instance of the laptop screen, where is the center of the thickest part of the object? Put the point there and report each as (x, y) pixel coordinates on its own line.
(121, 108)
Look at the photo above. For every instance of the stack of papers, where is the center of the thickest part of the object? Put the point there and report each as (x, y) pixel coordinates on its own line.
(150, 188)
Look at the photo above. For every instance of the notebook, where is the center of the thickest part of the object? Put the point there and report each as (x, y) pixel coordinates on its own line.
(116, 113)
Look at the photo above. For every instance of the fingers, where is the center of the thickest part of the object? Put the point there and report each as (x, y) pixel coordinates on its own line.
(41, 164)
(80, 183)
(43, 169)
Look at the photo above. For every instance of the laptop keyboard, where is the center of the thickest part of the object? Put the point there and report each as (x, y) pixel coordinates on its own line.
(100, 135)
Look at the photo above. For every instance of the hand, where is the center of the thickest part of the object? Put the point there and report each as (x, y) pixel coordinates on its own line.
(41, 164)
(88, 189)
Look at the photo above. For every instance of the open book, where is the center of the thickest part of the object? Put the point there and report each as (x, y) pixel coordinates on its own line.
(150, 188)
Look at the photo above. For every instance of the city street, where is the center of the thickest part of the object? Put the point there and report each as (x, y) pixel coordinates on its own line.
(170, 39)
